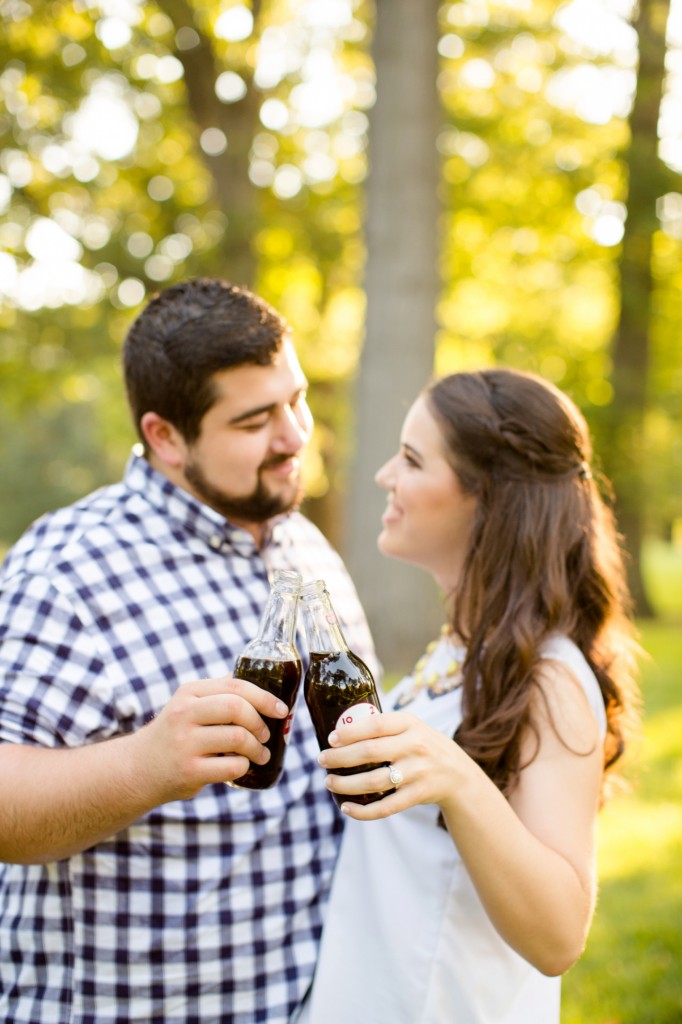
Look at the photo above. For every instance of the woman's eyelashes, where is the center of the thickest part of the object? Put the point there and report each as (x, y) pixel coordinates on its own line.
(410, 458)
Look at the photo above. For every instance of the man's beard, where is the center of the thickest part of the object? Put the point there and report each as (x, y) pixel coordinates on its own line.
(256, 507)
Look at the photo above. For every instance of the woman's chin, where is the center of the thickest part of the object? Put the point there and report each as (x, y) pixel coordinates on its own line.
(388, 547)
(384, 544)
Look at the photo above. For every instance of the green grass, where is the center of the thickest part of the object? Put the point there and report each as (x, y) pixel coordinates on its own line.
(631, 971)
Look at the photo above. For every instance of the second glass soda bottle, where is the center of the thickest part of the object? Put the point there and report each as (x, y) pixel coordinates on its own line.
(272, 662)
(338, 686)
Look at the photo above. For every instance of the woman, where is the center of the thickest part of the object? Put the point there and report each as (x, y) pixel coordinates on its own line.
(475, 891)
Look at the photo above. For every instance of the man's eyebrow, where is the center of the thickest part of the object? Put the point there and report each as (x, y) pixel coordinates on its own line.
(251, 413)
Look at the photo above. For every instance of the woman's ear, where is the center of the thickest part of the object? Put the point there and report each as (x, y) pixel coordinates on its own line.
(164, 440)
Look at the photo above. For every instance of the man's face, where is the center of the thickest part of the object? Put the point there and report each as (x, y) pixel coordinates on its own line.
(246, 461)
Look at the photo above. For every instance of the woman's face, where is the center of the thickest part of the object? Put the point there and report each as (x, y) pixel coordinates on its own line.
(428, 517)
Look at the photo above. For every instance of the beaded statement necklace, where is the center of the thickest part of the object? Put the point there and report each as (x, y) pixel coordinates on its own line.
(425, 677)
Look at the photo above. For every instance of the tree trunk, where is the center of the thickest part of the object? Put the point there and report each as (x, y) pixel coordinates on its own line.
(631, 350)
(402, 285)
(239, 121)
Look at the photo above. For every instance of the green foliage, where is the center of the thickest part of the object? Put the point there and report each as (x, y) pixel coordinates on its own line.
(523, 276)
(170, 205)
(526, 174)
(662, 563)
(530, 174)
(50, 459)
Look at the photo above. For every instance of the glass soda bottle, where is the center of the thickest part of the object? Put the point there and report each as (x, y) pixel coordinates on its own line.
(272, 662)
(338, 686)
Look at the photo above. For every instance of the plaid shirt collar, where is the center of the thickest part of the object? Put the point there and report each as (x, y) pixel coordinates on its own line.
(187, 514)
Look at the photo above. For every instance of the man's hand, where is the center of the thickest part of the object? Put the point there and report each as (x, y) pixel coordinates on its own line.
(58, 802)
(208, 732)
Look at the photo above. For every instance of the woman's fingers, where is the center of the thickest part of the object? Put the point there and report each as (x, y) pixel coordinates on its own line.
(391, 724)
(364, 752)
(371, 740)
(374, 780)
(399, 792)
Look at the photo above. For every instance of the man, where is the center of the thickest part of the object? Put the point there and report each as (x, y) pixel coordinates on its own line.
(137, 886)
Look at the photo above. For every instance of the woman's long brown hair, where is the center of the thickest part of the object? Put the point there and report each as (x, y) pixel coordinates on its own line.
(544, 558)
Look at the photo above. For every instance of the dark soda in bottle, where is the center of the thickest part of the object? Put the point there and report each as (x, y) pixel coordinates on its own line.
(338, 686)
(272, 662)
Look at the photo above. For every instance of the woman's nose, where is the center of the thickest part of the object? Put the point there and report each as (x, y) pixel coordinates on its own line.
(385, 475)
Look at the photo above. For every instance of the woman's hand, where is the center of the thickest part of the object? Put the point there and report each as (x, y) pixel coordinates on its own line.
(430, 763)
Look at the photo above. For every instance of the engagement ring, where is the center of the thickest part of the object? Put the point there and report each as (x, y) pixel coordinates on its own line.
(396, 776)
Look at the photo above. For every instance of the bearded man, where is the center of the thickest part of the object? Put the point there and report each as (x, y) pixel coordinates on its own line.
(136, 884)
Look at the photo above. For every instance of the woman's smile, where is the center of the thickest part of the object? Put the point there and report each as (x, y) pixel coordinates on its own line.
(428, 516)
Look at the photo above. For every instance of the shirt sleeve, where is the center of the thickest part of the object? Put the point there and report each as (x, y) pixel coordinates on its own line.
(54, 689)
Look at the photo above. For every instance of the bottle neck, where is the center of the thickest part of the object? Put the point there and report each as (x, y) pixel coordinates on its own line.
(278, 623)
(323, 632)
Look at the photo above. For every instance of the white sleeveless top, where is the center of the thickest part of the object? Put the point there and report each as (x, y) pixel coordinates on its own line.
(406, 939)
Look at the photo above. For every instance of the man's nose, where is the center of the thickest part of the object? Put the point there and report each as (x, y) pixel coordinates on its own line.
(293, 431)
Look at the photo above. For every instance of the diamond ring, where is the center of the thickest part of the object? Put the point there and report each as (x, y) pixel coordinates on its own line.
(396, 776)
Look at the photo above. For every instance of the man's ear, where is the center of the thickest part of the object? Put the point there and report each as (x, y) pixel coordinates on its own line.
(164, 440)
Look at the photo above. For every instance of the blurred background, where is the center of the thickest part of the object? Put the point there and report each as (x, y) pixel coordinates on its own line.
(419, 187)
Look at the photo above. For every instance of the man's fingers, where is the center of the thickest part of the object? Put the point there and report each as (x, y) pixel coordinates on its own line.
(229, 740)
(258, 698)
(224, 769)
(230, 709)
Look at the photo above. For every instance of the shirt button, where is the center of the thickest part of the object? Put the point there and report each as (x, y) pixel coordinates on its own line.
(216, 541)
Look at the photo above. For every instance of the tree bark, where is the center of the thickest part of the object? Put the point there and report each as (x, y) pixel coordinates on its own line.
(632, 342)
(402, 284)
(239, 121)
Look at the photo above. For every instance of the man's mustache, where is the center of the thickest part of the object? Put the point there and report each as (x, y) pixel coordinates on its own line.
(277, 460)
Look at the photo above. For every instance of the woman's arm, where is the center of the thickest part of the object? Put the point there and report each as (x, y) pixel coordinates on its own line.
(531, 858)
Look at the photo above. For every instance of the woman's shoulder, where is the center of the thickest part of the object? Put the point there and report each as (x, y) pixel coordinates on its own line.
(560, 649)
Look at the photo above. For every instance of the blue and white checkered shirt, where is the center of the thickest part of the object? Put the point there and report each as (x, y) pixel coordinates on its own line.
(205, 910)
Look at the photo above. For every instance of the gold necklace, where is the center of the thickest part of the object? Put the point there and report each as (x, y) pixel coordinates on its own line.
(434, 682)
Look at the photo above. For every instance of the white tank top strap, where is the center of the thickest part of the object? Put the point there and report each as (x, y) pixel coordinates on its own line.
(561, 648)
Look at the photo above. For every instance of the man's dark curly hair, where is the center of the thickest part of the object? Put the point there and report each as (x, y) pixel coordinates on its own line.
(185, 335)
